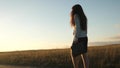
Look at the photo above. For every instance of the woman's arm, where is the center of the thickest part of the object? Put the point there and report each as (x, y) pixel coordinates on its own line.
(77, 27)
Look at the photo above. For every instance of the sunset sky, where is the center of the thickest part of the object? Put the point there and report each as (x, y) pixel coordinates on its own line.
(44, 24)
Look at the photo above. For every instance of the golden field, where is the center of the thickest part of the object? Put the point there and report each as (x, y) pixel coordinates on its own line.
(107, 56)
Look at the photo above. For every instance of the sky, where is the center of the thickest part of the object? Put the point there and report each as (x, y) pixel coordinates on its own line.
(45, 24)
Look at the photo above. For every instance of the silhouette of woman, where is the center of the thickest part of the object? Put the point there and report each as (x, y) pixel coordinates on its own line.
(79, 24)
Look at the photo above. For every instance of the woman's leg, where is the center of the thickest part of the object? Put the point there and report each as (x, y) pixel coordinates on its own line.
(85, 60)
(75, 61)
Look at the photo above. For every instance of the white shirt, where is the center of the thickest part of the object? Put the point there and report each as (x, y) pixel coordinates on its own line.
(78, 32)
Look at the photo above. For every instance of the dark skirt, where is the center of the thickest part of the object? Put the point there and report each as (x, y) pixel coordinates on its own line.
(80, 47)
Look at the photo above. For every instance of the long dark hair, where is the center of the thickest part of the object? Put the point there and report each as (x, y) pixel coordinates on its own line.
(77, 9)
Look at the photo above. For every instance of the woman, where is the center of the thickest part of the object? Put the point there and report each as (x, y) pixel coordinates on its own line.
(79, 24)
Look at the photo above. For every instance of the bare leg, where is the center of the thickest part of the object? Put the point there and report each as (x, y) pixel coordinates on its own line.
(85, 60)
(75, 61)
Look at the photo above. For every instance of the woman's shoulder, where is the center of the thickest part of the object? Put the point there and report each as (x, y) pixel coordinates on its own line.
(76, 15)
(76, 18)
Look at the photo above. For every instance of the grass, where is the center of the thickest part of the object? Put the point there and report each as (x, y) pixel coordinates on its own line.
(99, 57)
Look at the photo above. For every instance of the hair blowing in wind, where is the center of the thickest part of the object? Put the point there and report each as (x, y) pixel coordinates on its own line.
(77, 9)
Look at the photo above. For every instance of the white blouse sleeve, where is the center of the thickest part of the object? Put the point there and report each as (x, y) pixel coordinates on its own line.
(77, 26)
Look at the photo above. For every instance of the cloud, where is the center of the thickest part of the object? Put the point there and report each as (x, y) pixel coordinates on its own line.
(115, 37)
(117, 25)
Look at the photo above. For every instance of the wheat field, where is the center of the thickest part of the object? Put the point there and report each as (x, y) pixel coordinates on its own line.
(99, 57)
